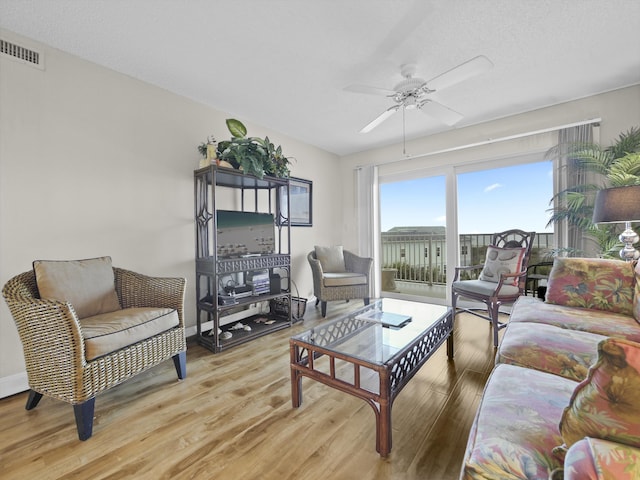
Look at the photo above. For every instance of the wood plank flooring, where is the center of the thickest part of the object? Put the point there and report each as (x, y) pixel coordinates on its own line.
(231, 418)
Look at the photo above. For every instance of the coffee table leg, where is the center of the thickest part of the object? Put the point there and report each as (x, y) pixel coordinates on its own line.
(296, 378)
(383, 442)
(296, 388)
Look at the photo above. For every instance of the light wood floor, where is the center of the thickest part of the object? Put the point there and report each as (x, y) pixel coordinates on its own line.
(231, 418)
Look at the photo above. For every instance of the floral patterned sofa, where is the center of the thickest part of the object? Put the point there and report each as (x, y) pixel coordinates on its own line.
(563, 400)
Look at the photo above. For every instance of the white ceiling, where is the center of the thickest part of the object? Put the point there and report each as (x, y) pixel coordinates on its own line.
(284, 64)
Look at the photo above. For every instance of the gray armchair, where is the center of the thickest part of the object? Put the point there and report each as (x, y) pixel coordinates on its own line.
(339, 274)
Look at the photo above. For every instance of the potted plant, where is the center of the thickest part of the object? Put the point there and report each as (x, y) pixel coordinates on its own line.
(253, 155)
(208, 151)
(614, 166)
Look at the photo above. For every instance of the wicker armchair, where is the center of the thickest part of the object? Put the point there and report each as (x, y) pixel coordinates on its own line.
(54, 345)
(499, 287)
(350, 282)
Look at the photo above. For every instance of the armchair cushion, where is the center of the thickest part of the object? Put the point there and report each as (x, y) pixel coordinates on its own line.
(593, 283)
(343, 279)
(88, 285)
(502, 260)
(483, 287)
(108, 332)
(331, 258)
(605, 405)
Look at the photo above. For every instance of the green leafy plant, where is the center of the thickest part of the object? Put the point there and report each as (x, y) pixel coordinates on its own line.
(254, 155)
(614, 166)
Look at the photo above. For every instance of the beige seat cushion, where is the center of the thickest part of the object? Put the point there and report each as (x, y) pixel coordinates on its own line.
(343, 279)
(88, 285)
(108, 332)
(484, 288)
(331, 258)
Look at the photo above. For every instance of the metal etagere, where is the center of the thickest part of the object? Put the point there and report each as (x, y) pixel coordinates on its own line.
(248, 194)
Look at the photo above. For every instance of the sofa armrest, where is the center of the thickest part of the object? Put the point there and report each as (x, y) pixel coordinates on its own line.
(596, 458)
(137, 290)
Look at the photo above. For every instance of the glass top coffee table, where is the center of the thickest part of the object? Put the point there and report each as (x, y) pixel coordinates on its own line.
(371, 353)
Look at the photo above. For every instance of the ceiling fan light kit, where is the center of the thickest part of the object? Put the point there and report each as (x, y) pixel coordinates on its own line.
(413, 92)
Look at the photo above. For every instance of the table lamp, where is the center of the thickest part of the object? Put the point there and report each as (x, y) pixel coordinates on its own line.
(618, 205)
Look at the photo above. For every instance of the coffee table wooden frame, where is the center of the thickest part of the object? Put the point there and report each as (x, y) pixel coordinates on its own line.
(393, 375)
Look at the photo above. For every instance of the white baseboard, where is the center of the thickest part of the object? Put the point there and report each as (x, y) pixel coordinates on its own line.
(13, 384)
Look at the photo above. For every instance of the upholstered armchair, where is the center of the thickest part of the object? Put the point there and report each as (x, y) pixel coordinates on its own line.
(86, 326)
(339, 274)
(502, 277)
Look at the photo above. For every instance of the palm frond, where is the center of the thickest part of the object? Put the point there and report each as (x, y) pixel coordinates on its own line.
(627, 142)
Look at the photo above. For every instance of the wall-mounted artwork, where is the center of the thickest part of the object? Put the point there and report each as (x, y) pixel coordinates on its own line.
(301, 202)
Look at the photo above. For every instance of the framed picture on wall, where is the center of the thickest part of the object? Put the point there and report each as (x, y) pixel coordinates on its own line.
(301, 201)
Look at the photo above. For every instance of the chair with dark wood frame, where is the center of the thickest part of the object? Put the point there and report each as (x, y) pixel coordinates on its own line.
(494, 295)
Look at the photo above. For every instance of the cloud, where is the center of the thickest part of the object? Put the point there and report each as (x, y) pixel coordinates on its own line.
(442, 219)
(493, 187)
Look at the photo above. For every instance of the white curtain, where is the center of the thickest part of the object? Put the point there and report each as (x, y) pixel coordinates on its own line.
(367, 214)
(569, 175)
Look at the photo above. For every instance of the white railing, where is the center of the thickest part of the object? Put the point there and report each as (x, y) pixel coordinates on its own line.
(421, 257)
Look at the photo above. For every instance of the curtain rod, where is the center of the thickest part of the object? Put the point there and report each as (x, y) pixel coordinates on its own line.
(489, 141)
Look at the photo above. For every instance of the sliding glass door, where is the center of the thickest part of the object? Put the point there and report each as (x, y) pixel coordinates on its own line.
(413, 238)
(431, 224)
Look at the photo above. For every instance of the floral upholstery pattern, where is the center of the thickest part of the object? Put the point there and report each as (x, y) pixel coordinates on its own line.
(529, 309)
(593, 283)
(595, 459)
(563, 352)
(607, 403)
(516, 427)
(636, 296)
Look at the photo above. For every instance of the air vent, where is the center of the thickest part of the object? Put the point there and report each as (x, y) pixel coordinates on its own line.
(21, 54)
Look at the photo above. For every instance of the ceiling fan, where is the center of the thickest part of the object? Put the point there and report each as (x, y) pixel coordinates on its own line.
(413, 92)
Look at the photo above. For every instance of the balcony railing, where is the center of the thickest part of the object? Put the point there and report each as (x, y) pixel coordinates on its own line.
(418, 258)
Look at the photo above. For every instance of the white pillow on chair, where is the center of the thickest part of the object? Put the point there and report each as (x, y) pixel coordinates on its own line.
(331, 258)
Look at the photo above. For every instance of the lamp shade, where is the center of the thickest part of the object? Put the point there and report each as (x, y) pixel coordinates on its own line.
(618, 204)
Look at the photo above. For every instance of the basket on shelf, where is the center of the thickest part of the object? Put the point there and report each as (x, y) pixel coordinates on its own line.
(280, 306)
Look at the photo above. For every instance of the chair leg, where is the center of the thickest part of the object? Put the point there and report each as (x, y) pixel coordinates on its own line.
(33, 400)
(454, 301)
(323, 308)
(84, 418)
(494, 313)
(180, 362)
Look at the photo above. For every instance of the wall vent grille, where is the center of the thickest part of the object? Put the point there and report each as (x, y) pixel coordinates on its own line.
(21, 54)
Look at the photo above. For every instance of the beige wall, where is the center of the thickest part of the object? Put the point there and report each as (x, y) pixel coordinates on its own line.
(619, 110)
(95, 163)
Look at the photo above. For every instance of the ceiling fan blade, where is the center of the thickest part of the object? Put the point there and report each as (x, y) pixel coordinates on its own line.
(370, 90)
(440, 112)
(381, 118)
(462, 72)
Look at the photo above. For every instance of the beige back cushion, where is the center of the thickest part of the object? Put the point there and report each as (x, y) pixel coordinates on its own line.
(331, 258)
(88, 285)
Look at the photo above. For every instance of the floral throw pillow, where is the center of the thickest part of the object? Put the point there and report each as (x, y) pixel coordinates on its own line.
(605, 405)
(595, 283)
(636, 295)
(502, 260)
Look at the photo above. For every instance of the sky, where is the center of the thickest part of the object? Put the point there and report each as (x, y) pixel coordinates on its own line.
(488, 201)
